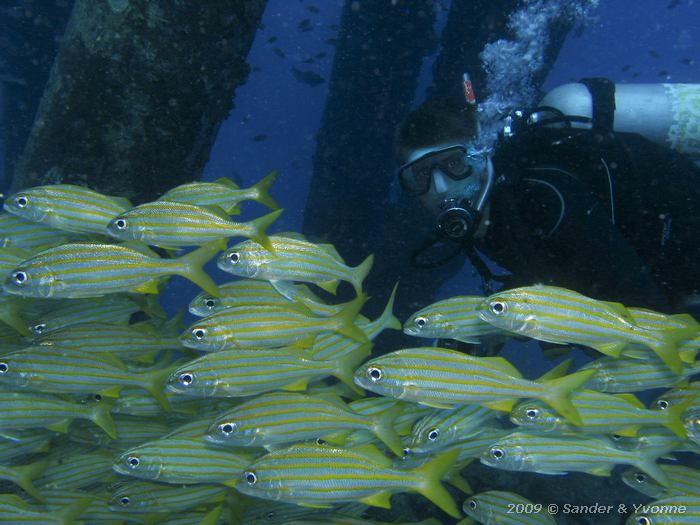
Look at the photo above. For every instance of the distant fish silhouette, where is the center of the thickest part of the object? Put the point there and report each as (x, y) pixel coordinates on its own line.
(313, 8)
(626, 67)
(308, 61)
(664, 73)
(308, 77)
(688, 61)
(305, 25)
(277, 51)
(674, 3)
(272, 39)
(259, 138)
(654, 53)
(320, 55)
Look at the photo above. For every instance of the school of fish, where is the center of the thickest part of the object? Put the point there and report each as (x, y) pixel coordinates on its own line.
(271, 407)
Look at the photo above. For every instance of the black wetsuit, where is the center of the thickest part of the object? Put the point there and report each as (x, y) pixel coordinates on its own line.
(610, 215)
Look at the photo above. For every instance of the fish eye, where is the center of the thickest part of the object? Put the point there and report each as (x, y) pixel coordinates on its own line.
(4, 368)
(497, 307)
(643, 520)
(250, 477)
(421, 322)
(39, 328)
(321, 441)
(406, 452)
(21, 201)
(532, 413)
(662, 404)
(472, 504)
(199, 333)
(497, 453)
(270, 515)
(19, 277)
(227, 428)
(375, 374)
(186, 379)
(233, 257)
(120, 224)
(97, 397)
(640, 478)
(433, 434)
(124, 501)
(210, 303)
(133, 461)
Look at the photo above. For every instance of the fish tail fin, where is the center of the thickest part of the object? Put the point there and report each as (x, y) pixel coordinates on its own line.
(345, 319)
(344, 366)
(191, 266)
(261, 190)
(649, 465)
(461, 484)
(431, 473)
(388, 319)
(259, 227)
(101, 415)
(68, 515)
(155, 384)
(383, 428)
(559, 390)
(674, 417)
(360, 272)
(667, 351)
(27, 473)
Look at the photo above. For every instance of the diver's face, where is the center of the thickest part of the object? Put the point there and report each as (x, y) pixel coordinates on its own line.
(444, 185)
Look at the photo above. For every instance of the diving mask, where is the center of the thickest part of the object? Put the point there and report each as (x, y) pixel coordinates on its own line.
(456, 162)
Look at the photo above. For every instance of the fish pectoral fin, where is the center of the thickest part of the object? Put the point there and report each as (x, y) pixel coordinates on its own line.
(329, 286)
(380, 499)
(628, 431)
(502, 365)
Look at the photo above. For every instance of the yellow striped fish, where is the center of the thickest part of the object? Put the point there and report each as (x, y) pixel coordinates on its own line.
(549, 454)
(269, 326)
(454, 318)
(558, 315)
(634, 375)
(245, 372)
(223, 193)
(678, 510)
(91, 269)
(22, 410)
(683, 480)
(496, 507)
(294, 259)
(175, 224)
(67, 207)
(24, 475)
(60, 370)
(444, 378)
(184, 461)
(678, 396)
(246, 292)
(444, 427)
(16, 232)
(13, 509)
(621, 414)
(78, 468)
(318, 475)
(286, 417)
(142, 497)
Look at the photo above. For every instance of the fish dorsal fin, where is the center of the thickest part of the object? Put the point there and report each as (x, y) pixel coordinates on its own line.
(620, 310)
(292, 235)
(121, 201)
(558, 371)
(373, 454)
(217, 211)
(330, 250)
(149, 287)
(631, 399)
(225, 181)
(297, 386)
(502, 365)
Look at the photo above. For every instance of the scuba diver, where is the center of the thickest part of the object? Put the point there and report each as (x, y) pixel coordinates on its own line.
(594, 190)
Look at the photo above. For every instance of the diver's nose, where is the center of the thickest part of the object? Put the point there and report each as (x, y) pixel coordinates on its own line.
(440, 183)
